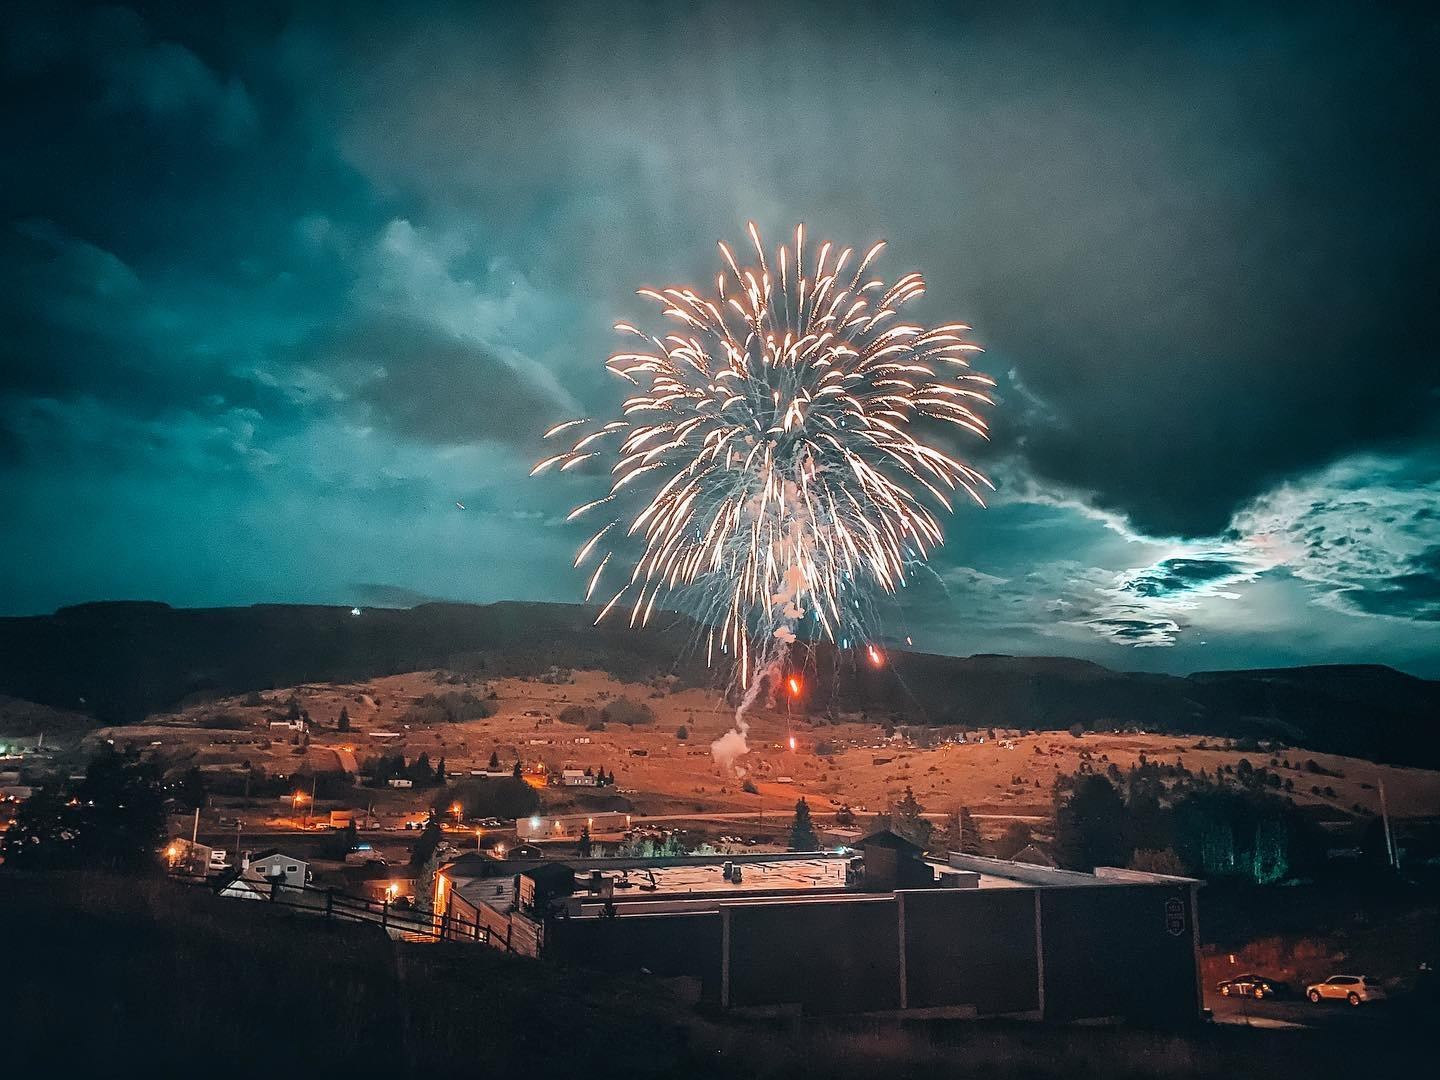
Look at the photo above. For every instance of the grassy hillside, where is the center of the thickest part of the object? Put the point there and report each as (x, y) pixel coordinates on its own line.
(119, 662)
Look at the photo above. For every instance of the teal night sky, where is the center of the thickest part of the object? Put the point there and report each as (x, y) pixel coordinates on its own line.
(283, 285)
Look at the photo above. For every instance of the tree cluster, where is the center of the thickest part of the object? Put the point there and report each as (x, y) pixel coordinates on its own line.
(113, 819)
(1206, 826)
(503, 797)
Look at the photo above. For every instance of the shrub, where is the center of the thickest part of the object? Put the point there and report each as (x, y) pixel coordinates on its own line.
(749, 788)
(682, 733)
(452, 707)
(625, 711)
(506, 797)
(1163, 861)
(224, 722)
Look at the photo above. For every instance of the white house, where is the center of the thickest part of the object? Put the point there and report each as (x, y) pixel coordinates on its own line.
(273, 865)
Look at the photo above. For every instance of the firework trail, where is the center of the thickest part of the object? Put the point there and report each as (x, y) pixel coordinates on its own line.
(767, 471)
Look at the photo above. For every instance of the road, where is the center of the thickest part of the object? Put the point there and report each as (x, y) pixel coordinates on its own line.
(754, 815)
(1299, 1013)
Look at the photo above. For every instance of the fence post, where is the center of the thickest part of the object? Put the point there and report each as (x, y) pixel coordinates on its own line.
(445, 926)
(330, 904)
(385, 912)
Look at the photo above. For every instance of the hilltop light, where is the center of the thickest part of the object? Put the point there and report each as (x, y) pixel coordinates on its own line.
(794, 686)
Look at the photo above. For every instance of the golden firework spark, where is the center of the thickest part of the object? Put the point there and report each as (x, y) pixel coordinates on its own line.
(767, 469)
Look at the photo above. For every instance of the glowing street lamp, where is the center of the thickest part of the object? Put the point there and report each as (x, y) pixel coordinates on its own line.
(457, 810)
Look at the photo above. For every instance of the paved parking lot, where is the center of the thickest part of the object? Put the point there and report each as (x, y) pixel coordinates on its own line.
(1297, 1012)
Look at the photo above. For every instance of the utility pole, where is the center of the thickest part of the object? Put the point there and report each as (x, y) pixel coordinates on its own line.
(195, 831)
(238, 826)
(313, 779)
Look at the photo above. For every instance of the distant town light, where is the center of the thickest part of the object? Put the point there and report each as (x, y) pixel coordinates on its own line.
(354, 611)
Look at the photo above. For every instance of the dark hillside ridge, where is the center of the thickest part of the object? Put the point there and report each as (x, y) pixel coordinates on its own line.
(119, 662)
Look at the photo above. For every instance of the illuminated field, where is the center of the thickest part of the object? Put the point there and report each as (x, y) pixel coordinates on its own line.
(1011, 775)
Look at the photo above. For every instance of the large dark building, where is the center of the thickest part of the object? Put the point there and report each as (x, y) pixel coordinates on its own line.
(887, 931)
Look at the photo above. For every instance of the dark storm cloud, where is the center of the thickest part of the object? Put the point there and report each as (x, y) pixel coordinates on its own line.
(1176, 576)
(1205, 241)
(80, 324)
(1137, 631)
(124, 69)
(425, 385)
(1413, 594)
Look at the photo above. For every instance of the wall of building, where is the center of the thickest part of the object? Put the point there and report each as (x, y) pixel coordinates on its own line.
(666, 945)
(826, 956)
(1113, 950)
(1105, 950)
(971, 947)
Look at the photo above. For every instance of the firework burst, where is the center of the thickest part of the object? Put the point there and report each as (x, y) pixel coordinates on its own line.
(767, 472)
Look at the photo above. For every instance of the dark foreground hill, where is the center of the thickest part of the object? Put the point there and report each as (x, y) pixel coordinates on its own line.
(143, 977)
(119, 662)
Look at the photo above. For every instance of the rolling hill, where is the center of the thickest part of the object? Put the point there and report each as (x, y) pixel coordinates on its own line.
(119, 662)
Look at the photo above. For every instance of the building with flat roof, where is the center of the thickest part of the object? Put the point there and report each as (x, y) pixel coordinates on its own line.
(605, 824)
(884, 931)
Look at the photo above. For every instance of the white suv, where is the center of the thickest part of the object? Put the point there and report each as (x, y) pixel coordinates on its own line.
(1354, 989)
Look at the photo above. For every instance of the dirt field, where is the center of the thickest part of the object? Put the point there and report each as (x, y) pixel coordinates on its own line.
(1007, 775)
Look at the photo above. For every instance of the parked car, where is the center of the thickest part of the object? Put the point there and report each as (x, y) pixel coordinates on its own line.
(1251, 985)
(1354, 989)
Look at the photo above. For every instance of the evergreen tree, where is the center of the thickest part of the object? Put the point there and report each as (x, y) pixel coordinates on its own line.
(961, 833)
(908, 820)
(802, 832)
(584, 845)
(343, 724)
(494, 761)
(1091, 826)
(190, 788)
(440, 771)
(517, 772)
(429, 840)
